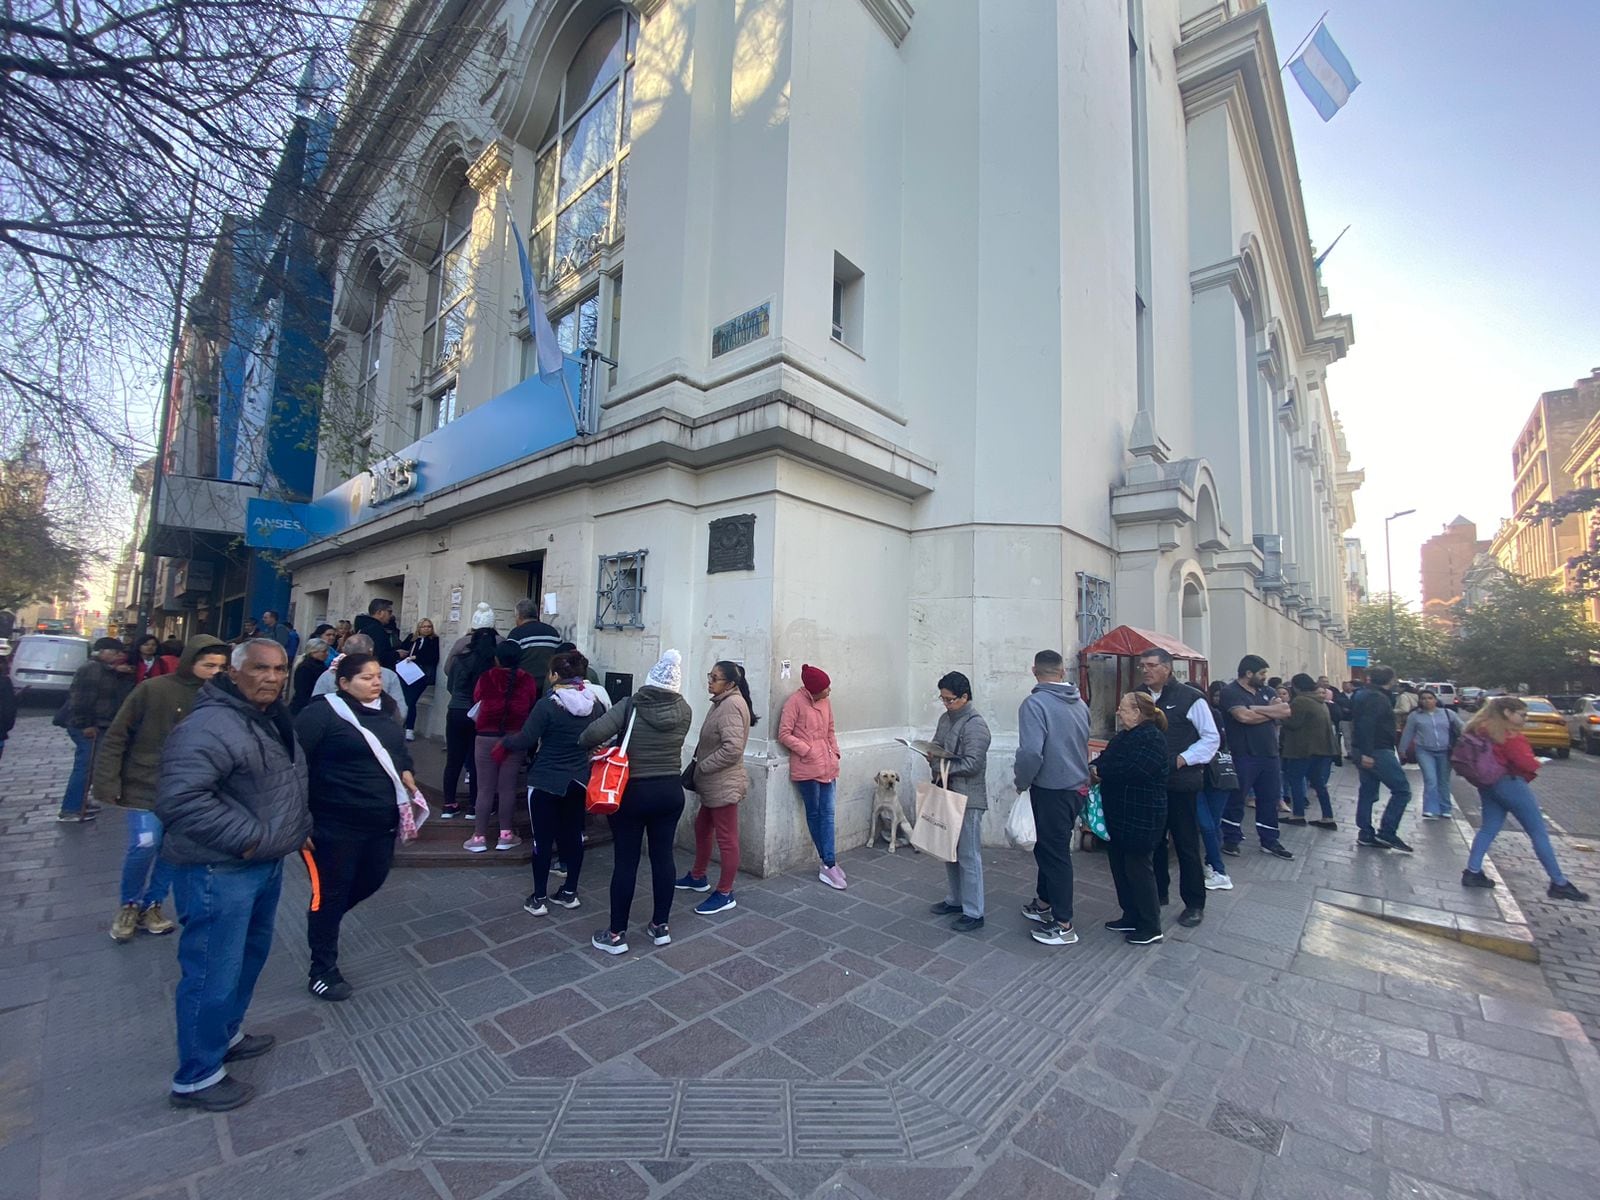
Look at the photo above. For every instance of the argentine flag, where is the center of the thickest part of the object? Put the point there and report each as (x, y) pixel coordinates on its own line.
(1324, 74)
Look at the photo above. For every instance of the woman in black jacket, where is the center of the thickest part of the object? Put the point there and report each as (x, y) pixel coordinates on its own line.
(466, 665)
(355, 806)
(422, 648)
(1133, 792)
(558, 775)
(306, 673)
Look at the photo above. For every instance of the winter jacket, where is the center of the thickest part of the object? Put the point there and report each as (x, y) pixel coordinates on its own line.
(161, 664)
(327, 684)
(1133, 772)
(964, 736)
(1187, 737)
(1516, 755)
(8, 706)
(349, 790)
(1307, 732)
(302, 686)
(1372, 721)
(127, 764)
(553, 727)
(1434, 731)
(719, 774)
(97, 692)
(805, 730)
(656, 747)
(1053, 739)
(424, 651)
(233, 782)
(459, 676)
(282, 634)
(538, 641)
(504, 701)
(382, 639)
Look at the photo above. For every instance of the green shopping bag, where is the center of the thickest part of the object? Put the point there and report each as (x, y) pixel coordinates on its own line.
(1093, 817)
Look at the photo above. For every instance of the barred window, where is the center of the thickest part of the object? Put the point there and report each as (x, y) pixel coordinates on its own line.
(619, 593)
(1094, 608)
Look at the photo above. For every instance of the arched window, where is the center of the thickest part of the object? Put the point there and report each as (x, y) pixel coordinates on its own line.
(581, 177)
(449, 282)
(370, 361)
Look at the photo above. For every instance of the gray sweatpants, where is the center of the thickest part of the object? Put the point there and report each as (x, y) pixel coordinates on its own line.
(965, 875)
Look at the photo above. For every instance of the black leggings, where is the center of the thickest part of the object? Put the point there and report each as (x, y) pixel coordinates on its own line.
(649, 806)
(460, 736)
(557, 823)
(345, 869)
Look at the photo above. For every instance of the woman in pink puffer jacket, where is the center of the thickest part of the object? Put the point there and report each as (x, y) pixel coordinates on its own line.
(806, 731)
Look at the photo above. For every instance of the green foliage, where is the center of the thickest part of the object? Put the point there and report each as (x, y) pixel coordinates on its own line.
(36, 561)
(1526, 631)
(1419, 649)
(1584, 567)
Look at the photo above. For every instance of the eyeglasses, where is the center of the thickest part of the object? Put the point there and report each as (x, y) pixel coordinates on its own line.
(715, 678)
(947, 701)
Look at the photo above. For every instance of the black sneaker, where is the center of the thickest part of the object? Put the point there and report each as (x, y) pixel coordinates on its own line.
(1190, 917)
(558, 867)
(659, 934)
(1394, 842)
(449, 812)
(535, 906)
(1034, 911)
(330, 987)
(1372, 841)
(225, 1094)
(1326, 823)
(967, 924)
(1277, 850)
(611, 943)
(566, 897)
(1144, 939)
(1231, 849)
(251, 1045)
(1291, 820)
(1565, 891)
(1476, 879)
(944, 908)
(1122, 925)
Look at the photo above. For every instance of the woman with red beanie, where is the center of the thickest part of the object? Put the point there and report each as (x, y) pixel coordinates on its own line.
(806, 731)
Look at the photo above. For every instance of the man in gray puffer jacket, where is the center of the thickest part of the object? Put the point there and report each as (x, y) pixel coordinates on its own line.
(232, 799)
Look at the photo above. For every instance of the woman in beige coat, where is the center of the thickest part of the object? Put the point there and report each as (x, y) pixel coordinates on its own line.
(720, 780)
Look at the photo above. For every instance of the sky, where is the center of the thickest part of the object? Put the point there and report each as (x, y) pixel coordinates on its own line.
(1467, 164)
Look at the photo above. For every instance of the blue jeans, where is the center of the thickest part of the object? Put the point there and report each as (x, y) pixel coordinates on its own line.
(1512, 796)
(1386, 770)
(78, 781)
(1313, 770)
(1263, 776)
(1208, 813)
(819, 815)
(227, 913)
(145, 877)
(964, 877)
(1435, 766)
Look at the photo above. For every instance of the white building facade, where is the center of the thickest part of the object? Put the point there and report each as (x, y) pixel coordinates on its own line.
(952, 332)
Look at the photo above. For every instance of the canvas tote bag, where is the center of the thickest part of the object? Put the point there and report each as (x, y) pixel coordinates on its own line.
(939, 815)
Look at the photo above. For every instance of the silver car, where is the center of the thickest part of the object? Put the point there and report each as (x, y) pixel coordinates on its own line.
(46, 662)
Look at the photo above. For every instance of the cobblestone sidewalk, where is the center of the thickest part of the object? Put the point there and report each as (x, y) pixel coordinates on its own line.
(812, 1043)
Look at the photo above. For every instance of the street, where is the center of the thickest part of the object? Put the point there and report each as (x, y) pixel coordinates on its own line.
(1568, 935)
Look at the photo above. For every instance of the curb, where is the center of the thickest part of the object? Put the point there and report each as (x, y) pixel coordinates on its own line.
(1498, 937)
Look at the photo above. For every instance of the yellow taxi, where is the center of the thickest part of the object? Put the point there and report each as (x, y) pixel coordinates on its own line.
(1547, 727)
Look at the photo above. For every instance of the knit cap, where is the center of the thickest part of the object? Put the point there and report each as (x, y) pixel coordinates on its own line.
(483, 617)
(814, 679)
(668, 673)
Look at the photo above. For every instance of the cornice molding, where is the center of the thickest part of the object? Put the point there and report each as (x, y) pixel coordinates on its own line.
(490, 168)
(893, 17)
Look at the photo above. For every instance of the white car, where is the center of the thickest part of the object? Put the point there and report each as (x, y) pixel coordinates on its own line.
(1445, 691)
(46, 662)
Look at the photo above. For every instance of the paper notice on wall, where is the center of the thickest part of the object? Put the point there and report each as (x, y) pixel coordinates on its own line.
(455, 598)
(552, 604)
(455, 614)
(784, 670)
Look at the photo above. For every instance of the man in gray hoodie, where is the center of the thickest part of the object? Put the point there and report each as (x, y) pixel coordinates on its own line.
(1053, 765)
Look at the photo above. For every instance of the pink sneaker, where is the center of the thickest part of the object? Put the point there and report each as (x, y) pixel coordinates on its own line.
(507, 840)
(833, 877)
(475, 844)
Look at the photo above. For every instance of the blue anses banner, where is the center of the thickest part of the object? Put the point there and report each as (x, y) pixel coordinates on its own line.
(1358, 658)
(521, 421)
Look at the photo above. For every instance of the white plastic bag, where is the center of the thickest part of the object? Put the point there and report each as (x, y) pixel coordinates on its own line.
(1020, 829)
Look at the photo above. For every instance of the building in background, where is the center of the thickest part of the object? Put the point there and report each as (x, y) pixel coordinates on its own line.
(1446, 558)
(951, 333)
(1357, 591)
(1583, 468)
(1542, 468)
(244, 408)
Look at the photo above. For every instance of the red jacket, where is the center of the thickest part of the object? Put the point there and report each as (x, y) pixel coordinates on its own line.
(1517, 757)
(162, 664)
(504, 704)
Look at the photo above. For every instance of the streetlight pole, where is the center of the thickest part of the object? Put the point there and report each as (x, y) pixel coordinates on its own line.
(1388, 574)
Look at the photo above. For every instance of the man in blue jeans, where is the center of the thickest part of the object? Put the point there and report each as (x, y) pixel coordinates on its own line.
(1373, 732)
(98, 689)
(232, 799)
(1250, 711)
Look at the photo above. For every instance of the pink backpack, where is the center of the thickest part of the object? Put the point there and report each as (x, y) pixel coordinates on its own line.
(1475, 761)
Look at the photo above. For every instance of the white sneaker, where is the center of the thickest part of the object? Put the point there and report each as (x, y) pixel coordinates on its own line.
(1218, 882)
(411, 735)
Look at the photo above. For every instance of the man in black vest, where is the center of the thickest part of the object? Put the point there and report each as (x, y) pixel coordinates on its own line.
(1192, 742)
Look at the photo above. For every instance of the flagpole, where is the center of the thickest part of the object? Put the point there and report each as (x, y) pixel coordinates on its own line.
(530, 303)
(1317, 262)
(1304, 40)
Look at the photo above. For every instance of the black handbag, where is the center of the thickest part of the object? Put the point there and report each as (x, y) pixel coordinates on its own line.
(1220, 773)
(687, 778)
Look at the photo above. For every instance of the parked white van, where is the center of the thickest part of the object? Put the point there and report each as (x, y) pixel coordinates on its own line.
(46, 662)
(1445, 691)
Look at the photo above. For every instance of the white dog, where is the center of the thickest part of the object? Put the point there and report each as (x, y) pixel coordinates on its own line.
(888, 818)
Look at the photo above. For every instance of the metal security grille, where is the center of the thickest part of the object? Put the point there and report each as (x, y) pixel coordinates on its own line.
(619, 599)
(1094, 608)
